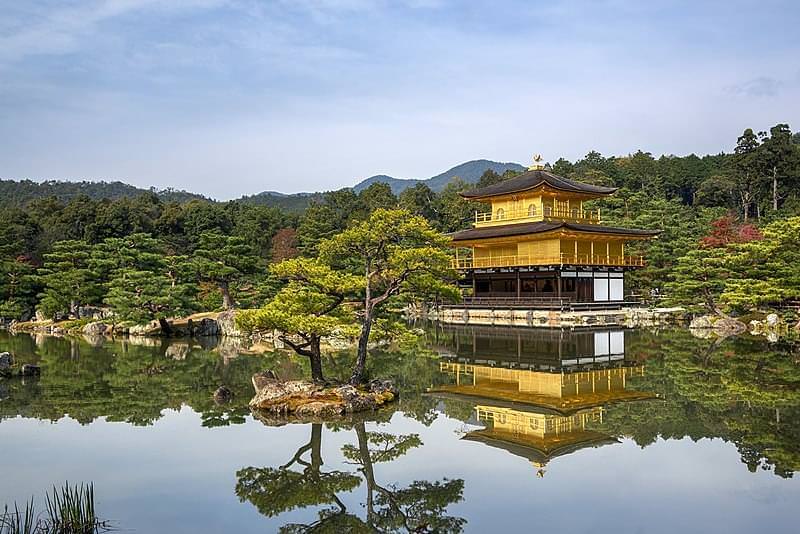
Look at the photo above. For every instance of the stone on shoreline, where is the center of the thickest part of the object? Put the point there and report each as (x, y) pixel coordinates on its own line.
(96, 329)
(6, 361)
(307, 399)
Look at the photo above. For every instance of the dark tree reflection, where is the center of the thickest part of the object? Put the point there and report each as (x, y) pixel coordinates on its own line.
(418, 507)
(275, 490)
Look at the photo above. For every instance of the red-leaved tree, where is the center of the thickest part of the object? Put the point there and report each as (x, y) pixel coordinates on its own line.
(727, 231)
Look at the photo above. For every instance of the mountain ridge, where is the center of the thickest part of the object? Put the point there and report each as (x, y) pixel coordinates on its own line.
(469, 171)
(17, 193)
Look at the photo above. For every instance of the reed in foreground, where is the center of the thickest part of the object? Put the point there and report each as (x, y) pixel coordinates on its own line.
(68, 510)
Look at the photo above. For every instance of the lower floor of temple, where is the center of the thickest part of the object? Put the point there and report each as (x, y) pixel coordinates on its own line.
(541, 284)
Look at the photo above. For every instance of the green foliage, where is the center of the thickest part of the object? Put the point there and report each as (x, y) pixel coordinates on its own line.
(308, 305)
(223, 260)
(765, 271)
(759, 181)
(68, 279)
(699, 278)
(141, 296)
(398, 256)
(17, 286)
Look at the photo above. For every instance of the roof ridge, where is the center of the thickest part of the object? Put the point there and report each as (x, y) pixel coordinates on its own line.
(534, 178)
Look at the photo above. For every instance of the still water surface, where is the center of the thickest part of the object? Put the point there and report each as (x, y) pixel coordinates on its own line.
(496, 430)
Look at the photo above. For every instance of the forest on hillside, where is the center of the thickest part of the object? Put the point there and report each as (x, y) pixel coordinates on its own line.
(730, 236)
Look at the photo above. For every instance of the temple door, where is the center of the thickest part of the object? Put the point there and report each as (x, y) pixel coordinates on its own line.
(584, 289)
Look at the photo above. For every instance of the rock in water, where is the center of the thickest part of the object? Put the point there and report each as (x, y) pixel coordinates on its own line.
(30, 370)
(6, 361)
(262, 380)
(307, 399)
(728, 326)
(95, 329)
(701, 322)
(223, 395)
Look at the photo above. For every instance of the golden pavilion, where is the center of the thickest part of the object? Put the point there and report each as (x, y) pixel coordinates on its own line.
(538, 244)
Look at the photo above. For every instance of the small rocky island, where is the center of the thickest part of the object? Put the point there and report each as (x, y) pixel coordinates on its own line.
(305, 399)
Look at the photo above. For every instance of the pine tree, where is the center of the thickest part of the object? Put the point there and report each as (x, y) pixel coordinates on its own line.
(68, 279)
(222, 260)
(699, 279)
(17, 283)
(141, 296)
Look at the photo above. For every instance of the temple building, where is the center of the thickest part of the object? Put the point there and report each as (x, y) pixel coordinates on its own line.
(539, 245)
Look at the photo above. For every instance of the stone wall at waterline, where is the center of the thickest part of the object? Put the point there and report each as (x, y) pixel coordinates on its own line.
(628, 317)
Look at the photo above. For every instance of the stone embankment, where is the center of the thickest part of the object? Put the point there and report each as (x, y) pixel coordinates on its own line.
(627, 317)
(211, 324)
(306, 400)
(771, 326)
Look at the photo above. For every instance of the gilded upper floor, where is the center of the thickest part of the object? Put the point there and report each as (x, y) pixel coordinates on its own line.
(537, 195)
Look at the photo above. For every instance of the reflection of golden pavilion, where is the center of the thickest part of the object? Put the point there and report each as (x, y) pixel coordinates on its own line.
(539, 415)
(560, 392)
(538, 437)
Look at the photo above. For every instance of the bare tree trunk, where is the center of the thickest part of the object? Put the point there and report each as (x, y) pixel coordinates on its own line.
(316, 360)
(227, 301)
(363, 339)
(745, 207)
(774, 189)
(311, 350)
(361, 355)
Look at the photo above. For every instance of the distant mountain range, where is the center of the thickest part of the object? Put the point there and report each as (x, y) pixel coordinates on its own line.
(470, 172)
(19, 193)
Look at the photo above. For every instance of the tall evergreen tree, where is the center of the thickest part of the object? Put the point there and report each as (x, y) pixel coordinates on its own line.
(68, 279)
(223, 260)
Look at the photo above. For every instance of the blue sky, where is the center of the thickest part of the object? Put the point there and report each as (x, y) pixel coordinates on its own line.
(228, 97)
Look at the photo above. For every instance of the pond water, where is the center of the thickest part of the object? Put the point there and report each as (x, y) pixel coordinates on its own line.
(496, 430)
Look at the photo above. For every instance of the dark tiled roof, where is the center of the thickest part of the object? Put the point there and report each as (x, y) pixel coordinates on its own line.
(534, 178)
(509, 230)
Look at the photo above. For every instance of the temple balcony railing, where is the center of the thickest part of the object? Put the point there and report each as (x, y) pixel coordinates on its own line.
(500, 216)
(521, 260)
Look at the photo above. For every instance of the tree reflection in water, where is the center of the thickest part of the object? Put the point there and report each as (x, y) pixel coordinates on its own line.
(419, 507)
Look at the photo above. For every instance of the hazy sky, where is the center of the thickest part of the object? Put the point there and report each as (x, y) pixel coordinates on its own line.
(226, 97)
